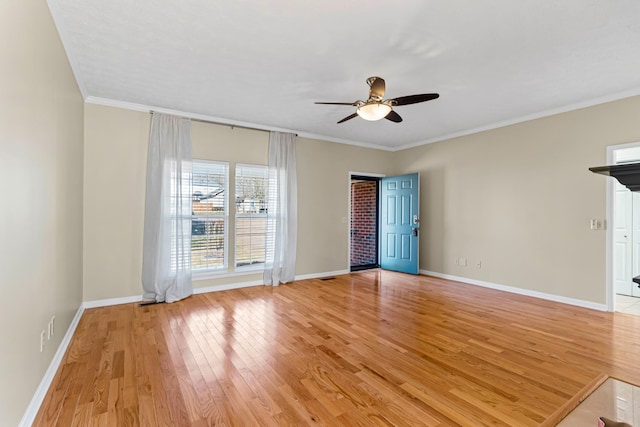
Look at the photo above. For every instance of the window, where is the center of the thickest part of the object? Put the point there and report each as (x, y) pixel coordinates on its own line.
(251, 215)
(209, 219)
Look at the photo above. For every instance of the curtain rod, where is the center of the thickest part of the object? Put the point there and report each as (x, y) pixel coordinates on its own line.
(221, 123)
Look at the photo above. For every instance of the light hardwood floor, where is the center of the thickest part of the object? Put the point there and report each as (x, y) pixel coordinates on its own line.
(371, 348)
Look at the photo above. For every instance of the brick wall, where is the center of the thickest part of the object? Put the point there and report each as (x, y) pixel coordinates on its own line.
(364, 248)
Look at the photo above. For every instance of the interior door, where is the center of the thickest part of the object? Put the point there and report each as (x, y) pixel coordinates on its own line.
(635, 245)
(400, 223)
(623, 244)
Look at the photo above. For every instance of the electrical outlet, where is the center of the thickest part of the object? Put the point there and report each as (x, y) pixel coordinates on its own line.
(479, 264)
(51, 327)
(43, 336)
(463, 262)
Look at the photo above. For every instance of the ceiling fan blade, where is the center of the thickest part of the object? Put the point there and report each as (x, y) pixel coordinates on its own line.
(348, 118)
(413, 99)
(393, 116)
(377, 87)
(337, 103)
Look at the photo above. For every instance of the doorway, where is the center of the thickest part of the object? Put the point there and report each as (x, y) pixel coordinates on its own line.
(364, 219)
(386, 206)
(624, 211)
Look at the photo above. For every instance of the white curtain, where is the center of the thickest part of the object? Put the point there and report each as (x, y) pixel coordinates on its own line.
(282, 210)
(166, 259)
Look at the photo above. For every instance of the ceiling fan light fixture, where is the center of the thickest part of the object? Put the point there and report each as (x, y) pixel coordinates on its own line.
(373, 111)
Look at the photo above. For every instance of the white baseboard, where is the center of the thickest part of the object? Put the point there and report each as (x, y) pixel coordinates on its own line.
(319, 275)
(32, 410)
(112, 301)
(519, 291)
(138, 298)
(215, 288)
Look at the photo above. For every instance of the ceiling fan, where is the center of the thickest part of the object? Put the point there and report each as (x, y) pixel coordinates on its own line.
(375, 108)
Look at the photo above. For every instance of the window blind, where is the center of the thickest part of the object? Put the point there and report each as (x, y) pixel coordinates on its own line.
(210, 214)
(251, 215)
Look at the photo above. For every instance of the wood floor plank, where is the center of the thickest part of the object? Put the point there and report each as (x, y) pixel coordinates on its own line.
(369, 348)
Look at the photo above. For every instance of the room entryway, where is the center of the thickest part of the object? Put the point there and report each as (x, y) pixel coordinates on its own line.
(625, 235)
(384, 222)
(364, 222)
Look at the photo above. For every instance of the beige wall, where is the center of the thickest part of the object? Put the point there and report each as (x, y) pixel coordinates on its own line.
(519, 200)
(41, 120)
(323, 200)
(115, 163)
(115, 159)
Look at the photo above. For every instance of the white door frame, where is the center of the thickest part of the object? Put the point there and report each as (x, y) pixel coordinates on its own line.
(610, 217)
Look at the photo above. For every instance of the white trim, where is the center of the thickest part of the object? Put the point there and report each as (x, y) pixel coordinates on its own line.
(478, 129)
(112, 301)
(373, 175)
(227, 122)
(32, 410)
(138, 298)
(321, 275)
(148, 108)
(519, 291)
(346, 141)
(417, 226)
(609, 235)
(214, 288)
(554, 111)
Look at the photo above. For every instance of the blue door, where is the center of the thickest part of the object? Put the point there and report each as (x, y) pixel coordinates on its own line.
(399, 223)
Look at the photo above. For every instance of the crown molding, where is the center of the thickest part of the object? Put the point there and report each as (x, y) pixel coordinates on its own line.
(547, 113)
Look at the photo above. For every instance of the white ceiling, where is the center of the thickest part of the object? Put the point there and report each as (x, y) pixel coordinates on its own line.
(265, 62)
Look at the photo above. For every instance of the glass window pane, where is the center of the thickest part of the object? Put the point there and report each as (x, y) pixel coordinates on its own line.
(251, 214)
(209, 217)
